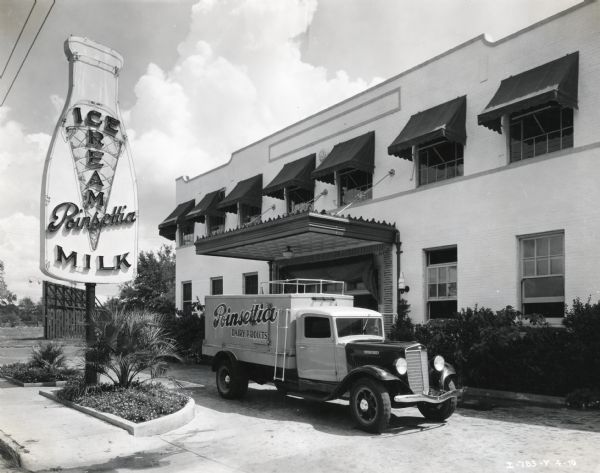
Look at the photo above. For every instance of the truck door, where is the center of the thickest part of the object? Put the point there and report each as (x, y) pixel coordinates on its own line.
(315, 348)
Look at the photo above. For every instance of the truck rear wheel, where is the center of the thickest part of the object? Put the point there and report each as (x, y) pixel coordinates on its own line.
(370, 405)
(232, 382)
(439, 412)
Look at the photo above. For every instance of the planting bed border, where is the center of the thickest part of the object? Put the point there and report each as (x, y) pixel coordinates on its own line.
(156, 426)
(45, 384)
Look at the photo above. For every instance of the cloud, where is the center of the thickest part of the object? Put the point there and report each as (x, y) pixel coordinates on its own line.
(19, 250)
(239, 77)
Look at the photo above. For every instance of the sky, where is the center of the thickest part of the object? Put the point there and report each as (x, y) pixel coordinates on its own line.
(203, 78)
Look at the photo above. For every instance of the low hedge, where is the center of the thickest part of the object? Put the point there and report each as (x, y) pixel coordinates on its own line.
(29, 373)
(507, 351)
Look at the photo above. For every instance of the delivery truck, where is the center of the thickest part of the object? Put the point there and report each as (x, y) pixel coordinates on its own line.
(307, 338)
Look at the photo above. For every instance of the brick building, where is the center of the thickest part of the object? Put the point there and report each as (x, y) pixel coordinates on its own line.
(471, 178)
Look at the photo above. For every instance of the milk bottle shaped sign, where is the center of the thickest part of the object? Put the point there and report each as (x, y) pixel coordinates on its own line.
(89, 210)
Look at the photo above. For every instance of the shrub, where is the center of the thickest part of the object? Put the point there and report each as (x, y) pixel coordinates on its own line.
(403, 328)
(582, 322)
(187, 329)
(584, 399)
(50, 356)
(128, 343)
(27, 373)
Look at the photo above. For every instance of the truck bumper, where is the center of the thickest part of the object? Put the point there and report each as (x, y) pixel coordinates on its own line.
(409, 398)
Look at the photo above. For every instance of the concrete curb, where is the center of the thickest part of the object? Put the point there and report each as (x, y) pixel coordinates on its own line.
(10, 449)
(157, 426)
(527, 398)
(47, 384)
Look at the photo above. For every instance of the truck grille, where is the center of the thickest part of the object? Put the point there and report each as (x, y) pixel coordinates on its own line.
(418, 369)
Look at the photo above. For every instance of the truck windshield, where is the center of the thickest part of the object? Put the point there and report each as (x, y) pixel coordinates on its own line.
(347, 326)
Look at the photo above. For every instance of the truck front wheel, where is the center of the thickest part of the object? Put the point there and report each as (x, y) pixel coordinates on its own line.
(370, 405)
(439, 412)
(232, 383)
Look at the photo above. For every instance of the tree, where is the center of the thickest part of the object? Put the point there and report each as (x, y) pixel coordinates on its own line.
(153, 289)
(29, 311)
(6, 297)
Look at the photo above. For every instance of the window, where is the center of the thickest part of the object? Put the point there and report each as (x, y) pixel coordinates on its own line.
(215, 224)
(298, 199)
(317, 327)
(439, 161)
(540, 131)
(249, 214)
(347, 326)
(441, 283)
(354, 185)
(543, 275)
(186, 297)
(216, 286)
(250, 283)
(186, 233)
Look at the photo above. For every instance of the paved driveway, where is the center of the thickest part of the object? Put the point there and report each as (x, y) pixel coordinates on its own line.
(266, 432)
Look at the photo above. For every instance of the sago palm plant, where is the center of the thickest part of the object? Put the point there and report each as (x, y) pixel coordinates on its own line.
(127, 343)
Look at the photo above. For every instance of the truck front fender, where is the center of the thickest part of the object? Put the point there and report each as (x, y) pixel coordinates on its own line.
(369, 371)
(447, 372)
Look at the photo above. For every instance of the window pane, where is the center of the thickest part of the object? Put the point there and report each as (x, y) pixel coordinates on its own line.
(552, 286)
(433, 290)
(251, 284)
(541, 266)
(452, 274)
(557, 266)
(442, 275)
(317, 327)
(442, 309)
(541, 246)
(547, 309)
(529, 268)
(556, 245)
(447, 255)
(567, 138)
(442, 290)
(187, 291)
(432, 275)
(452, 289)
(528, 248)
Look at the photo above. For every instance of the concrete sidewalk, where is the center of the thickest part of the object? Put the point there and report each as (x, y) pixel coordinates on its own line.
(48, 436)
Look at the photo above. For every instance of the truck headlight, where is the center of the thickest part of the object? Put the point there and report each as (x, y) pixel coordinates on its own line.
(439, 363)
(401, 366)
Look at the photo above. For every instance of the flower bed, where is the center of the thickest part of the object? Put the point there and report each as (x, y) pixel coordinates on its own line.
(137, 403)
(27, 373)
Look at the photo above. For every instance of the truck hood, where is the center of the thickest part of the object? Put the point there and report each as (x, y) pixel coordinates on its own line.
(375, 352)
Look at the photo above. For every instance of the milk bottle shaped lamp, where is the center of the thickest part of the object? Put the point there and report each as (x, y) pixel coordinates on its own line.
(89, 210)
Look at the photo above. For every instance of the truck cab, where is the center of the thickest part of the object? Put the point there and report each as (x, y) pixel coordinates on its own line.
(318, 346)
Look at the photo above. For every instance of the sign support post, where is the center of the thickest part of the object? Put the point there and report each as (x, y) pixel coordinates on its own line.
(91, 377)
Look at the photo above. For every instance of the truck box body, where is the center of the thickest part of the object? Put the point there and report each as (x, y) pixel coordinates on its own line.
(253, 327)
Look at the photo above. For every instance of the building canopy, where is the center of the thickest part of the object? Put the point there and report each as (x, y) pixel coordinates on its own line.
(555, 81)
(168, 227)
(446, 120)
(207, 206)
(246, 192)
(300, 234)
(355, 154)
(294, 174)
